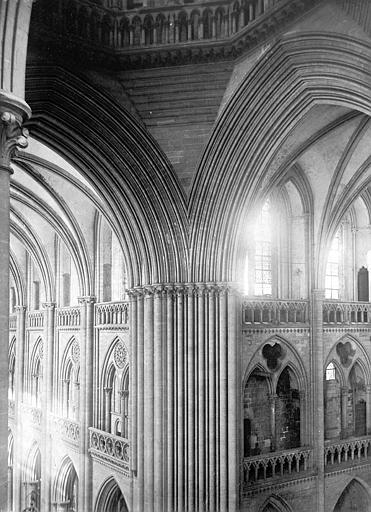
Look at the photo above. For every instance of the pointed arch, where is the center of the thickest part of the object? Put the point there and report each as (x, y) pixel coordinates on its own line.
(291, 357)
(355, 496)
(69, 391)
(114, 396)
(110, 497)
(275, 503)
(360, 355)
(11, 364)
(139, 191)
(65, 488)
(221, 200)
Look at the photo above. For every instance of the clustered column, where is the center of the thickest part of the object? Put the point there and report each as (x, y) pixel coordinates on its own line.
(317, 384)
(12, 114)
(19, 372)
(184, 343)
(86, 403)
(47, 405)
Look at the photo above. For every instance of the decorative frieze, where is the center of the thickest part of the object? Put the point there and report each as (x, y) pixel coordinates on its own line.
(347, 451)
(274, 312)
(112, 314)
(165, 35)
(35, 320)
(68, 317)
(12, 322)
(33, 415)
(276, 465)
(346, 313)
(68, 430)
(110, 448)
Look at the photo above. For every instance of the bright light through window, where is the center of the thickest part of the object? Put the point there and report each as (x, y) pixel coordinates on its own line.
(263, 252)
(332, 286)
(330, 372)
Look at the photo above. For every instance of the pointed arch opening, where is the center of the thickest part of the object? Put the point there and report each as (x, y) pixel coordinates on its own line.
(110, 498)
(66, 485)
(353, 498)
(32, 478)
(287, 412)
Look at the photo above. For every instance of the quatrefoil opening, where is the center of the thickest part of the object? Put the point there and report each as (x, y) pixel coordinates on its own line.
(345, 351)
(273, 354)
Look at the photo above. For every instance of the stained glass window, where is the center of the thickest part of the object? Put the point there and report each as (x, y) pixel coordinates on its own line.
(263, 252)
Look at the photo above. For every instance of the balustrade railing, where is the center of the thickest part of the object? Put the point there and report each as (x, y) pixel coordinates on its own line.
(68, 317)
(336, 312)
(68, 430)
(151, 25)
(109, 447)
(276, 465)
(33, 414)
(345, 451)
(12, 322)
(112, 313)
(35, 319)
(270, 311)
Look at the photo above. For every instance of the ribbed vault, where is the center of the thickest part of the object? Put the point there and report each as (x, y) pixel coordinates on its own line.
(132, 180)
(265, 129)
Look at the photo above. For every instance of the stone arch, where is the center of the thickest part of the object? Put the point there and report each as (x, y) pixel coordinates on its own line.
(11, 365)
(275, 504)
(359, 355)
(110, 497)
(126, 161)
(355, 497)
(114, 384)
(32, 476)
(231, 147)
(19, 281)
(65, 488)
(69, 396)
(290, 356)
(260, 399)
(36, 372)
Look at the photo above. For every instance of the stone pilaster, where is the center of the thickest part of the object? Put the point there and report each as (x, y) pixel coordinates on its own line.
(12, 136)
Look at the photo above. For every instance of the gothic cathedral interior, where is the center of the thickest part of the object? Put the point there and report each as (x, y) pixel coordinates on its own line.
(185, 245)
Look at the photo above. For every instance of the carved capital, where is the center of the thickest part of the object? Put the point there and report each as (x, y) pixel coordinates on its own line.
(88, 299)
(48, 305)
(20, 309)
(12, 137)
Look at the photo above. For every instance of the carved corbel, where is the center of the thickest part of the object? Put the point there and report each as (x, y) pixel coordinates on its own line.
(12, 137)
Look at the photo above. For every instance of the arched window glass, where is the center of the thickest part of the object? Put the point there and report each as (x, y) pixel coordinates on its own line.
(332, 282)
(263, 252)
(330, 372)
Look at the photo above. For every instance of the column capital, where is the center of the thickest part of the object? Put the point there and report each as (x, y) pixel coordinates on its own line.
(20, 309)
(13, 111)
(87, 299)
(48, 305)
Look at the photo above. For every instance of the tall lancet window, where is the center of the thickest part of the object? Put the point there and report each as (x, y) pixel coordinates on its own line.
(263, 252)
(332, 282)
